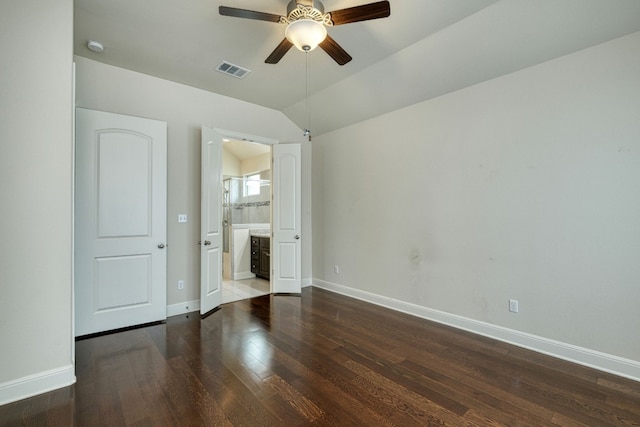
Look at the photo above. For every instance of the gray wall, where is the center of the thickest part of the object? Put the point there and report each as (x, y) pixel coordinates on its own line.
(186, 109)
(36, 193)
(526, 186)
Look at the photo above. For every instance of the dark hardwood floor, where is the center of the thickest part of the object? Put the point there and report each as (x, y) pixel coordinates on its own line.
(322, 359)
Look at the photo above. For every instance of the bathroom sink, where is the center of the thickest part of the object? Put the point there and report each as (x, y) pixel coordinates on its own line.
(260, 232)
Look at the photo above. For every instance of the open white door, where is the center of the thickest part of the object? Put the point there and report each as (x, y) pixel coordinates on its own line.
(211, 221)
(286, 263)
(120, 221)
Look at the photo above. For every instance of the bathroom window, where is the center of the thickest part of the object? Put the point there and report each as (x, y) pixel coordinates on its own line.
(252, 185)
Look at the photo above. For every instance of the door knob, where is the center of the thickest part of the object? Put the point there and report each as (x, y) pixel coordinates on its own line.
(297, 237)
(207, 242)
(160, 245)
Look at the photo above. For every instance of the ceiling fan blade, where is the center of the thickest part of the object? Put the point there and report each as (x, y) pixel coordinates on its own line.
(335, 51)
(279, 52)
(248, 14)
(380, 9)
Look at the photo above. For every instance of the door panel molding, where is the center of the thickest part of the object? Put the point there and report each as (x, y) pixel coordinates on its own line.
(287, 211)
(120, 272)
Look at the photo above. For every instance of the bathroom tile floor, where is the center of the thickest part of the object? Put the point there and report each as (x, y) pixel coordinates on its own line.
(235, 290)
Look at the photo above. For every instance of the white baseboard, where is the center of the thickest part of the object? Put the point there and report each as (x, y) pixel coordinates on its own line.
(583, 356)
(241, 275)
(189, 306)
(183, 307)
(32, 385)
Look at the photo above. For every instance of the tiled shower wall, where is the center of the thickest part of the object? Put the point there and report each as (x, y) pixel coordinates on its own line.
(250, 209)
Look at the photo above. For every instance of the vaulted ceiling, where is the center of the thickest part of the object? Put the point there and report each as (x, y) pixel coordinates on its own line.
(426, 48)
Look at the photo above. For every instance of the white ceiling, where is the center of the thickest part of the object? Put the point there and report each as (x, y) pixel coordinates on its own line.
(426, 48)
(243, 150)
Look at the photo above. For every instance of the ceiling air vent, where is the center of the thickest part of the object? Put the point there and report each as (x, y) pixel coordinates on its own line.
(232, 70)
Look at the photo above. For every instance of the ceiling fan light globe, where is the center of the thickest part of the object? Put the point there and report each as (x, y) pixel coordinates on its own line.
(305, 34)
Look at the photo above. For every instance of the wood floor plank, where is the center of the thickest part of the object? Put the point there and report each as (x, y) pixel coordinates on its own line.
(299, 402)
(586, 402)
(241, 406)
(411, 382)
(423, 410)
(321, 359)
(484, 397)
(157, 404)
(325, 387)
(60, 410)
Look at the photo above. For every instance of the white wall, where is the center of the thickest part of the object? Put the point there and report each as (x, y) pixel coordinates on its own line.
(35, 189)
(186, 109)
(525, 187)
(255, 164)
(230, 163)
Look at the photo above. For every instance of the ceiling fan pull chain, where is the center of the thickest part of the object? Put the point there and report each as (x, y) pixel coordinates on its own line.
(308, 90)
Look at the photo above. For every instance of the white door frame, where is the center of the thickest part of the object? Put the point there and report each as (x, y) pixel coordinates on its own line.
(246, 137)
(241, 136)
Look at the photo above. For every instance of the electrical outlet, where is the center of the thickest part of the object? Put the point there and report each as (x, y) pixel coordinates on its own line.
(180, 284)
(182, 218)
(513, 305)
(336, 269)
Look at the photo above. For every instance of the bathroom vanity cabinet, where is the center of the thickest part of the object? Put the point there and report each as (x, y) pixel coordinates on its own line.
(261, 256)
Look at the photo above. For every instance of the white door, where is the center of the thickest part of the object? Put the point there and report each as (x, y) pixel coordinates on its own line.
(211, 221)
(286, 261)
(120, 221)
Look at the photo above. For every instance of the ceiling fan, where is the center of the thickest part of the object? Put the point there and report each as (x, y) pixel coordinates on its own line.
(306, 25)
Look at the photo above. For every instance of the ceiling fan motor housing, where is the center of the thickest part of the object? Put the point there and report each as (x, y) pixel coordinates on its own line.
(314, 4)
(312, 10)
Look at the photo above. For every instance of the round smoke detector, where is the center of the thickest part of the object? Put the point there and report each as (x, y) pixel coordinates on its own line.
(95, 46)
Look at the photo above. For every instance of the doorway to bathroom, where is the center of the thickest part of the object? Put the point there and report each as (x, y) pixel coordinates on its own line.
(246, 216)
